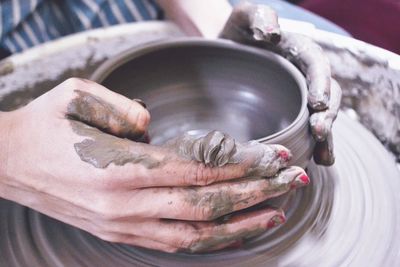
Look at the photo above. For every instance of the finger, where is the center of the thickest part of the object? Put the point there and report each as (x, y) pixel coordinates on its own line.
(139, 241)
(206, 203)
(238, 228)
(321, 122)
(132, 165)
(310, 58)
(197, 237)
(323, 152)
(219, 149)
(233, 161)
(237, 26)
(249, 22)
(106, 110)
(264, 24)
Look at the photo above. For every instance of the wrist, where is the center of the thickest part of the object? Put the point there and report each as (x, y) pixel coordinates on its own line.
(7, 120)
(198, 17)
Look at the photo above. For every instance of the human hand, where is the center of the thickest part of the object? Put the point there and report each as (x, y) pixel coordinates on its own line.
(258, 25)
(70, 154)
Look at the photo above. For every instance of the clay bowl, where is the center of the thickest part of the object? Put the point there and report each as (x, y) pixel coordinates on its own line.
(196, 85)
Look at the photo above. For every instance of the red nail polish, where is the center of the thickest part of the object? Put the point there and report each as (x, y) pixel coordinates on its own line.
(276, 220)
(300, 181)
(305, 179)
(284, 155)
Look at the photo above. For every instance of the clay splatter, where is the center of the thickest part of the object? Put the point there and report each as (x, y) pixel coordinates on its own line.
(92, 117)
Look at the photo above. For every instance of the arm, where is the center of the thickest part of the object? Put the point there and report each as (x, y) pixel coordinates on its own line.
(198, 17)
(5, 125)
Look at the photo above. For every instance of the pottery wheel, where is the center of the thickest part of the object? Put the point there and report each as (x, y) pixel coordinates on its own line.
(348, 215)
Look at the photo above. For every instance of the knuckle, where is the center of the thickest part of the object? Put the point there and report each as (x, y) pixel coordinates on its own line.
(200, 174)
(105, 210)
(205, 175)
(72, 83)
(203, 212)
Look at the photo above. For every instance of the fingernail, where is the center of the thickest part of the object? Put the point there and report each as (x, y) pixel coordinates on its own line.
(140, 101)
(276, 220)
(285, 155)
(300, 181)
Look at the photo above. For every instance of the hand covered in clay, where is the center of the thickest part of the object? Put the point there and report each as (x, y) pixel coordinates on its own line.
(71, 154)
(258, 25)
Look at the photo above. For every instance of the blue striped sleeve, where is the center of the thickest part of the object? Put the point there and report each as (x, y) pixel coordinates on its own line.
(25, 23)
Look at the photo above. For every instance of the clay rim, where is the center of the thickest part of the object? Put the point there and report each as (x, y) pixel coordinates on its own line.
(107, 67)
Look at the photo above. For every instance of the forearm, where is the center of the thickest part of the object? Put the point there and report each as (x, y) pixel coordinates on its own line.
(5, 127)
(198, 17)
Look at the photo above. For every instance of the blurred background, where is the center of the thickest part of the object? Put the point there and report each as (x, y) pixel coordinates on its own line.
(374, 21)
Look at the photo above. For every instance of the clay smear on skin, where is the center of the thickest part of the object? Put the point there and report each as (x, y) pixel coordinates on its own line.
(222, 237)
(220, 199)
(101, 149)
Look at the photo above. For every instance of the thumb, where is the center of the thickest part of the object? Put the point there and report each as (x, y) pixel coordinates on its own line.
(95, 105)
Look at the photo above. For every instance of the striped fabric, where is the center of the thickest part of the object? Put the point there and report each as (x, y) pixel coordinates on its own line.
(26, 23)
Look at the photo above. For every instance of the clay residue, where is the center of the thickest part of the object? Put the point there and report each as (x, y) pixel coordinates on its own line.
(252, 22)
(96, 112)
(371, 88)
(217, 202)
(101, 149)
(223, 237)
(216, 149)
(284, 181)
(92, 117)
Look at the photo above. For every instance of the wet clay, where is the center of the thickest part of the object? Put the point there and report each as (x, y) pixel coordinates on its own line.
(303, 52)
(284, 181)
(92, 117)
(309, 57)
(102, 149)
(222, 200)
(222, 237)
(321, 122)
(96, 112)
(217, 149)
(258, 25)
(248, 21)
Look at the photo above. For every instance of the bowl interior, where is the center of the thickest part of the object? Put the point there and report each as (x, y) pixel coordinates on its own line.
(198, 86)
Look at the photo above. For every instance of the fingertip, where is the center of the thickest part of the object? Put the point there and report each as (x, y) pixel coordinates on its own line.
(138, 118)
(323, 152)
(318, 103)
(324, 161)
(320, 126)
(278, 219)
(143, 120)
(283, 153)
(301, 180)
